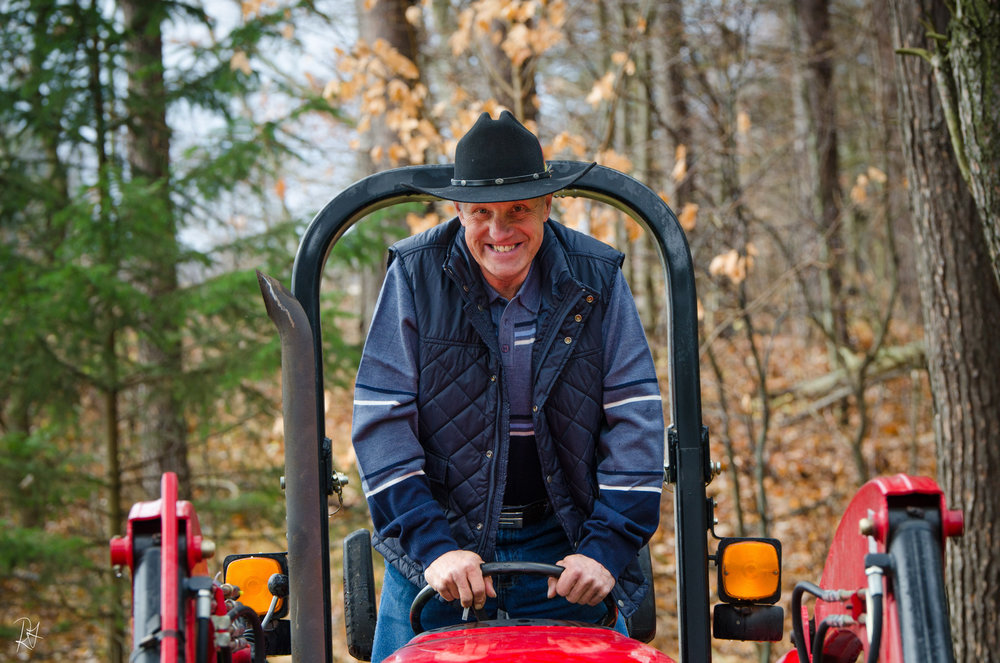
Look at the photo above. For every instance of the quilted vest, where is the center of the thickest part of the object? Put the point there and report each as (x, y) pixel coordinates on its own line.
(462, 405)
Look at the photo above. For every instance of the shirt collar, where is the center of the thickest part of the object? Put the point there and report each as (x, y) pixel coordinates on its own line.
(529, 293)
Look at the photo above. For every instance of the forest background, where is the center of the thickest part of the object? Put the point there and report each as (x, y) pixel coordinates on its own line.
(833, 163)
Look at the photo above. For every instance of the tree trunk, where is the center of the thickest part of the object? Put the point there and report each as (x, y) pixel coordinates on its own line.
(825, 195)
(961, 306)
(164, 433)
(974, 55)
(384, 20)
(674, 45)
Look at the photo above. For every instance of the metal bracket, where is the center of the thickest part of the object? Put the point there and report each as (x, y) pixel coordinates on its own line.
(335, 481)
(670, 470)
(709, 468)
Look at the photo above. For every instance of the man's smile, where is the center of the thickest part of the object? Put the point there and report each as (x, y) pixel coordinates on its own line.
(504, 248)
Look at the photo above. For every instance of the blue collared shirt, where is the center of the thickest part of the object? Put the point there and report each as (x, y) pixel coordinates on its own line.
(515, 322)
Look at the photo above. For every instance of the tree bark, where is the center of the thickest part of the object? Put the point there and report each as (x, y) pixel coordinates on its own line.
(961, 307)
(974, 55)
(825, 195)
(384, 20)
(164, 433)
(674, 45)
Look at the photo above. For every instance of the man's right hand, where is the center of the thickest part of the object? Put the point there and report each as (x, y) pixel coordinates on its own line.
(457, 575)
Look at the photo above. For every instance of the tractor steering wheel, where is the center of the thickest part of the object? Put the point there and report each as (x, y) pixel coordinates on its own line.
(517, 568)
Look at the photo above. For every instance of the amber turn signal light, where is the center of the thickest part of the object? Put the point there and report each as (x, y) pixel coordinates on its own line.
(749, 570)
(251, 574)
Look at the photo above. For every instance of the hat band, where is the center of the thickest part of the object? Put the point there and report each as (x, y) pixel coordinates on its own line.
(504, 180)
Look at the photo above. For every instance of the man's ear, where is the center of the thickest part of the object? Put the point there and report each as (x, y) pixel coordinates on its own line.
(458, 213)
(548, 205)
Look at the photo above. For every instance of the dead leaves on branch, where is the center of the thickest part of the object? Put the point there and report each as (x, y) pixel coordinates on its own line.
(866, 181)
(532, 27)
(606, 87)
(733, 264)
(389, 86)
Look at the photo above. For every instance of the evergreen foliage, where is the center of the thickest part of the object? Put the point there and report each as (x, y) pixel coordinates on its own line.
(79, 233)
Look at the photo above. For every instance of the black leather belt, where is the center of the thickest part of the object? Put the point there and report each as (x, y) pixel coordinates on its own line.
(516, 517)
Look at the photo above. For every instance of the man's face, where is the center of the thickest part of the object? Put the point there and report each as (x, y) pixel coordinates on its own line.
(504, 238)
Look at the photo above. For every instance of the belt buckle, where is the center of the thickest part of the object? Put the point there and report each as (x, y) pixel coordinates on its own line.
(513, 519)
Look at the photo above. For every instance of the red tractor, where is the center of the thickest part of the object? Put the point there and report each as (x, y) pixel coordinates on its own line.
(881, 594)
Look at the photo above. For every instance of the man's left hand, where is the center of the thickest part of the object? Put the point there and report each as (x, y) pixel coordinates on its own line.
(585, 580)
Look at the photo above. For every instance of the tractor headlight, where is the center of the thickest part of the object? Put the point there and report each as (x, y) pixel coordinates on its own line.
(250, 573)
(749, 583)
(749, 570)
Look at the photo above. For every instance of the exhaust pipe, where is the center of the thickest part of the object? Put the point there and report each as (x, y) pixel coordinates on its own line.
(305, 498)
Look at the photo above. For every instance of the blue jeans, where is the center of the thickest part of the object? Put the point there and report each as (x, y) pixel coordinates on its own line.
(521, 596)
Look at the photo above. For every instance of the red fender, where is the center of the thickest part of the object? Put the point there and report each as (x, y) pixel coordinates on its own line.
(863, 529)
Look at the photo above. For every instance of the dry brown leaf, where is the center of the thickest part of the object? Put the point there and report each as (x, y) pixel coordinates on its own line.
(250, 8)
(567, 142)
(396, 61)
(413, 15)
(604, 89)
(612, 159)
(632, 229)
(729, 264)
(859, 192)
(877, 175)
(679, 171)
(420, 222)
(688, 217)
(743, 123)
(240, 61)
(331, 89)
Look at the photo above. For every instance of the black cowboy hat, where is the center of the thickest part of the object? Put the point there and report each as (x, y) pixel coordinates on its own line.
(499, 161)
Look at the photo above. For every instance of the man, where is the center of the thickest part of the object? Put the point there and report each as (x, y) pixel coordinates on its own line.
(506, 407)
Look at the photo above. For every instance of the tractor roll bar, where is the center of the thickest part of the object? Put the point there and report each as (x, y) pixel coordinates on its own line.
(688, 454)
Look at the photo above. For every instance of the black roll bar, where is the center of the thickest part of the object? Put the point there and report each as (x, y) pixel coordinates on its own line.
(688, 455)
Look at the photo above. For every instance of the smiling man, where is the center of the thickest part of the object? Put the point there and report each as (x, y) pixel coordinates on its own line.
(503, 239)
(506, 407)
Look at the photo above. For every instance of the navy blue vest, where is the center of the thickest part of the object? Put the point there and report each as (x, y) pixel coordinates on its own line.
(463, 412)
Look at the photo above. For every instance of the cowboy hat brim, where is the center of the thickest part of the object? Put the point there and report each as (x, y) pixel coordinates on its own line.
(439, 183)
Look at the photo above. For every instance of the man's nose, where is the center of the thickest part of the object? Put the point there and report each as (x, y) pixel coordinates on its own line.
(500, 226)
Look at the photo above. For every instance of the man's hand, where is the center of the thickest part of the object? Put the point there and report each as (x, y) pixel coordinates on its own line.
(585, 580)
(457, 575)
